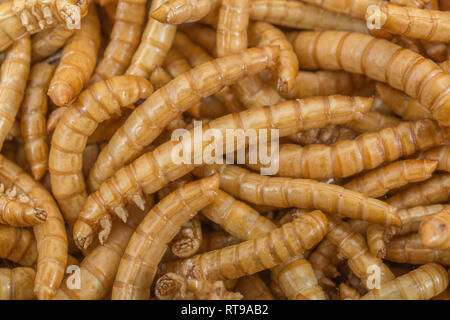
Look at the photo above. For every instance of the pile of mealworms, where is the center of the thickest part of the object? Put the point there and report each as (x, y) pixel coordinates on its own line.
(93, 204)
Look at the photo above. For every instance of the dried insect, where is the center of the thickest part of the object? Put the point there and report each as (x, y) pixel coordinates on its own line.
(348, 293)
(188, 240)
(154, 45)
(324, 260)
(441, 155)
(352, 8)
(359, 53)
(431, 25)
(124, 39)
(216, 240)
(422, 283)
(13, 79)
(435, 230)
(183, 92)
(17, 284)
(327, 135)
(148, 243)
(372, 122)
(48, 42)
(434, 190)
(410, 3)
(77, 61)
(181, 11)
(33, 118)
(50, 235)
(300, 15)
(94, 105)
(258, 254)
(378, 182)
(18, 245)
(253, 288)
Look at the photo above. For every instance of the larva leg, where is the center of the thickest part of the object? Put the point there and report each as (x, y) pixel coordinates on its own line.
(434, 190)
(435, 230)
(154, 45)
(33, 118)
(352, 8)
(18, 245)
(422, 283)
(124, 39)
(148, 243)
(94, 105)
(298, 15)
(253, 288)
(48, 42)
(359, 53)
(378, 182)
(77, 61)
(17, 284)
(14, 74)
(50, 235)
(181, 11)
(148, 120)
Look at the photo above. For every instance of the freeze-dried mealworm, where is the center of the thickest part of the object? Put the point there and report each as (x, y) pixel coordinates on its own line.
(18, 245)
(431, 191)
(441, 155)
(33, 118)
(154, 45)
(401, 68)
(422, 283)
(188, 240)
(431, 25)
(148, 243)
(352, 8)
(262, 253)
(378, 182)
(300, 15)
(253, 288)
(78, 61)
(353, 247)
(159, 77)
(181, 11)
(20, 18)
(17, 284)
(297, 280)
(402, 104)
(124, 39)
(327, 135)
(94, 105)
(50, 235)
(324, 259)
(409, 249)
(367, 151)
(263, 34)
(435, 230)
(237, 218)
(324, 83)
(13, 79)
(372, 122)
(148, 120)
(49, 41)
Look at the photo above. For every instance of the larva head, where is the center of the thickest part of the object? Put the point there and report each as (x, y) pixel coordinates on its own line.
(72, 11)
(83, 235)
(170, 286)
(434, 231)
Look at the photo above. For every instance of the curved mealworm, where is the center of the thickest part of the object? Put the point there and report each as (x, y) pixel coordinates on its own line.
(17, 284)
(33, 118)
(146, 247)
(77, 62)
(94, 105)
(18, 245)
(148, 120)
(49, 41)
(401, 68)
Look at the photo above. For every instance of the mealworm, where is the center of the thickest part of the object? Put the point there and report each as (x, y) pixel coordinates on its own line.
(50, 235)
(262, 253)
(348, 293)
(202, 35)
(327, 135)
(410, 3)
(124, 39)
(148, 243)
(409, 249)
(435, 230)
(441, 155)
(48, 42)
(188, 240)
(422, 283)
(33, 118)
(372, 122)
(77, 62)
(352, 8)
(18, 245)
(160, 77)
(253, 288)
(324, 259)
(431, 25)
(378, 182)
(298, 281)
(431, 191)
(17, 284)
(13, 79)
(181, 11)
(154, 45)
(367, 151)
(359, 53)
(402, 104)
(353, 247)
(148, 120)
(377, 237)
(217, 240)
(94, 105)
